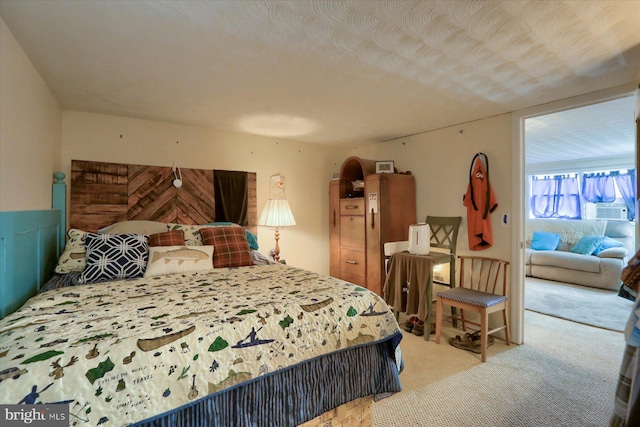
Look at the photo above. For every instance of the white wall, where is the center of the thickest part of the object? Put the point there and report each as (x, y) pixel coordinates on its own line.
(30, 130)
(307, 169)
(440, 161)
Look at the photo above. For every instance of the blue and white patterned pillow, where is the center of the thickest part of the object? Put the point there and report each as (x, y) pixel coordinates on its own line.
(115, 257)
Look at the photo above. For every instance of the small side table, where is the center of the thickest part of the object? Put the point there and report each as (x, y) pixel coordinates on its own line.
(418, 271)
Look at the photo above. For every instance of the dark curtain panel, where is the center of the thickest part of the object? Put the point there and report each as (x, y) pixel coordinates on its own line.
(231, 196)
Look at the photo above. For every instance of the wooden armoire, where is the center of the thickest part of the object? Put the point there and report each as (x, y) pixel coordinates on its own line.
(362, 220)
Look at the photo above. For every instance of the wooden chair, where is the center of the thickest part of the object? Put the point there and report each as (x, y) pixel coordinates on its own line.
(482, 289)
(444, 235)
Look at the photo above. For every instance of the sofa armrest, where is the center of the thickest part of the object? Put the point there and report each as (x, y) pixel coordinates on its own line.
(620, 253)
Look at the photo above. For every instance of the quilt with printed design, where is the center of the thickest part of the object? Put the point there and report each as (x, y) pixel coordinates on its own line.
(122, 352)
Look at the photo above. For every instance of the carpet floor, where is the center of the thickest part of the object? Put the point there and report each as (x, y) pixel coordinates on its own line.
(565, 374)
(591, 306)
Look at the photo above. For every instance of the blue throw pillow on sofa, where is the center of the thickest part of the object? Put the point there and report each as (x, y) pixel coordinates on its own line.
(545, 241)
(587, 245)
(607, 243)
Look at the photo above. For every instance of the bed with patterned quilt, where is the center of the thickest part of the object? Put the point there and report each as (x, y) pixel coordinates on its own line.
(161, 329)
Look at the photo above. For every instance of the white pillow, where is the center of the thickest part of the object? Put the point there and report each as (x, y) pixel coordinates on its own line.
(135, 226)
(178, 259)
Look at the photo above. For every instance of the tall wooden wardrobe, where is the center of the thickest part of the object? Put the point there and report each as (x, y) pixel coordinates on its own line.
(362, 220)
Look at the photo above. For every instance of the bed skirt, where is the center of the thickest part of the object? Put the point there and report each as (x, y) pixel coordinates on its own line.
(295, 395)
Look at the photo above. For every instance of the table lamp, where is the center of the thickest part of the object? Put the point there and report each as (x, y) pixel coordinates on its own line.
(277, 214)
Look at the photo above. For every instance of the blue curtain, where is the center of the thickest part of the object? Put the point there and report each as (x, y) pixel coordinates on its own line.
(598, 188)
(555, 197)
(627, 186)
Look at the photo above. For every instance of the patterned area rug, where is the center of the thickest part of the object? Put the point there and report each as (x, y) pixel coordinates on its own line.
(582, 304)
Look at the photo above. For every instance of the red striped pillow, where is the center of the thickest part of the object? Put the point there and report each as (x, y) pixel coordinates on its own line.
(169, 238)
(231, 248)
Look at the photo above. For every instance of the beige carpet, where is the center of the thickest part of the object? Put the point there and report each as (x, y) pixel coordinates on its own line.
(564, 375)
(591, 306)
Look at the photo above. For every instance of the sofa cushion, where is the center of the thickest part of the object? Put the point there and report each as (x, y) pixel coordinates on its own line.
(527, 256)
(587, 244)
(608, 243)
(622, 231)
(545, 241)
(567, 260)
(619, 252)
(570, 230)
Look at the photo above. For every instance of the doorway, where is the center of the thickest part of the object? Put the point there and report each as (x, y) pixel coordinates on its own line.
(520, 189)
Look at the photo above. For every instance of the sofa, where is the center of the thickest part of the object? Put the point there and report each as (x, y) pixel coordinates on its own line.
(564, 265)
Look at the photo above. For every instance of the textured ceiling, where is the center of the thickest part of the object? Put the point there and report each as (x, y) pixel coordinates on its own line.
(605, 130)
(333, 72)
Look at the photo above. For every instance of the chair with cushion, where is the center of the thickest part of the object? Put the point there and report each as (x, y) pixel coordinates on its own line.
(482, 289)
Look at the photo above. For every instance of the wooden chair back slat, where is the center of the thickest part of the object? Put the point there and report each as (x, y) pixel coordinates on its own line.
(444, 232)
(483, 274)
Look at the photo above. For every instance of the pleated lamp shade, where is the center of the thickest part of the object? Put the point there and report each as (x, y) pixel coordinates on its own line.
(277, 214)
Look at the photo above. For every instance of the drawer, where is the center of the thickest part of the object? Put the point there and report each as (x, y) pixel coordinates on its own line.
(352, 231)
(355, 278)
(352, 206)
(352, 262)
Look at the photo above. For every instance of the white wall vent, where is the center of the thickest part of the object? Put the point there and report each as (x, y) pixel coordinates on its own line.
(611, 211)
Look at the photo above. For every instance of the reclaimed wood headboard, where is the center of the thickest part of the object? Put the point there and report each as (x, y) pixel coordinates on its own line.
(105, 193)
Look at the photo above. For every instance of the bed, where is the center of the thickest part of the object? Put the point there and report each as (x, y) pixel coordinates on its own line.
(190, 345)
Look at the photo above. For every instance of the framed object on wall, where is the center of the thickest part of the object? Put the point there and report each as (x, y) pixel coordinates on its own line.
(276, 187)
(385, 167)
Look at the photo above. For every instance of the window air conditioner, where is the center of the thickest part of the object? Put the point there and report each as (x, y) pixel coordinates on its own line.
(614, 211)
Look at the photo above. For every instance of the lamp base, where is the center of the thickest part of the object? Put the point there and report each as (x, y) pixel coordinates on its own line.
(276, 254)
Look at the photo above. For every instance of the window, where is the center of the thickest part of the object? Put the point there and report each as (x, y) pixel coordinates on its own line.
(608, 187)
(555, 197)
(562, 196)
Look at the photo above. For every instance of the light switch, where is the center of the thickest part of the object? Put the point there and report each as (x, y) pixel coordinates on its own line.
(505, 222)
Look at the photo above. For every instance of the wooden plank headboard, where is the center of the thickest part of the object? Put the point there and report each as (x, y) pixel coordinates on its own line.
(105, 193)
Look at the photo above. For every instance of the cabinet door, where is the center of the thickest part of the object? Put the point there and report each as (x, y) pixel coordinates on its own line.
(396, 211)
(352, 234)
(334, 228)
(376, 187)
